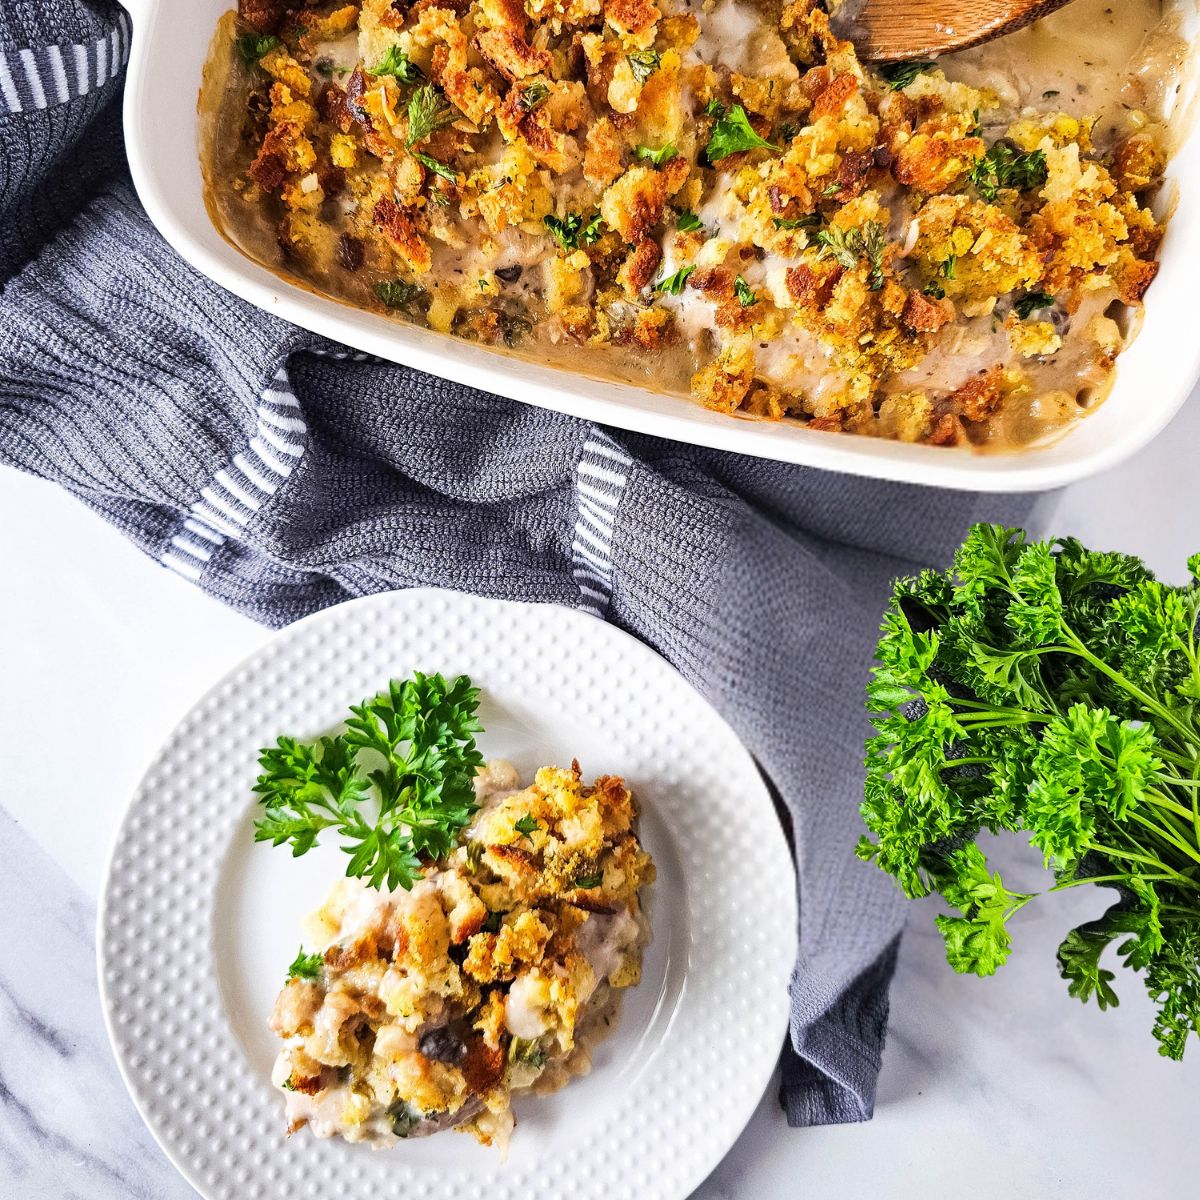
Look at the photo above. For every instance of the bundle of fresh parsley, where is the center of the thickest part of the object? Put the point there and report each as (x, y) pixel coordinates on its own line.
(1046, 689)
(396, 787)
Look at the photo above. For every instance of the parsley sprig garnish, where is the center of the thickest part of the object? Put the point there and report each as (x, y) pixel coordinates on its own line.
(395, 787)
(1051, 691)
(745, 293)
(435, 165)
(733, 133)
(1004, 167)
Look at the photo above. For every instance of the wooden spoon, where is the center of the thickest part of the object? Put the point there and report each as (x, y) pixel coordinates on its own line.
(886, 31)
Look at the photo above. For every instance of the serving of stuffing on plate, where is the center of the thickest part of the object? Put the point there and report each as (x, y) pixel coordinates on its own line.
(498, 972)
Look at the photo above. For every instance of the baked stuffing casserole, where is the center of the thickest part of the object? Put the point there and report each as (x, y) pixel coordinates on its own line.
(497, 972)
(716, 196)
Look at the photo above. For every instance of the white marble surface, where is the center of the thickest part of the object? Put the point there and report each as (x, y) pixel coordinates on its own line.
(991, 1088)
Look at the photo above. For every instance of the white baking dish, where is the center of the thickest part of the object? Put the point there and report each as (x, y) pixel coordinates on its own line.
(1155, 375)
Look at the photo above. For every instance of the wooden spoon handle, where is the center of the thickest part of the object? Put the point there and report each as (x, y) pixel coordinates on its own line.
(896, 30)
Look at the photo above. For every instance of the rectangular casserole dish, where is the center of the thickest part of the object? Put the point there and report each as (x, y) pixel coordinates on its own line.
(1154, 375)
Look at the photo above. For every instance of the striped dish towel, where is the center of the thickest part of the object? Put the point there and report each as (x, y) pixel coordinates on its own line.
(280, 474)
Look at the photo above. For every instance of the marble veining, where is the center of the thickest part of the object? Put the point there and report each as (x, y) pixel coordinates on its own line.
(68, 1130)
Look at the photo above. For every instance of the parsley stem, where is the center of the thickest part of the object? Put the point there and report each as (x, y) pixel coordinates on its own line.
(1177, 876)
(1187, 762)
(1148, 702)
(1165, 834)
(1124, 878)
(1161, 801)
(990, 710)
(1196, 799)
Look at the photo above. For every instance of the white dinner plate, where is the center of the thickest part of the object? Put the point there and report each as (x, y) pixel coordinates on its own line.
(198, 923)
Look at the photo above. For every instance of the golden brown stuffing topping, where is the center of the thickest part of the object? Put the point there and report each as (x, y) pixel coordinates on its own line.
(794, 233)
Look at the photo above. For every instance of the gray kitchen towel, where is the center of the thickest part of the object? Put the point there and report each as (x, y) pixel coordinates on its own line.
(281, 474)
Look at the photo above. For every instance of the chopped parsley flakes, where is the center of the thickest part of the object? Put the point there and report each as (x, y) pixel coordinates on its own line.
(306, 966)
(1004, 167)
(900, 75)
(643, 64)
(659, 156)
(570, 231)
(1031, 303)
(733, 133)
(252, 48)
(398, 65)
(672, 285)
(746, 297)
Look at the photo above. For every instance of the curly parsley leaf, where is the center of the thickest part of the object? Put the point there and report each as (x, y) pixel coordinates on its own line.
(396, 787)
(672, 285)
(1003, 166)
(397, 64)
(527, 824)
(571, 231)
(1052, 691)
(745, 294)
(306, 966)
(251, 47)
(427, 113)
(590, 234)
(732, 134)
